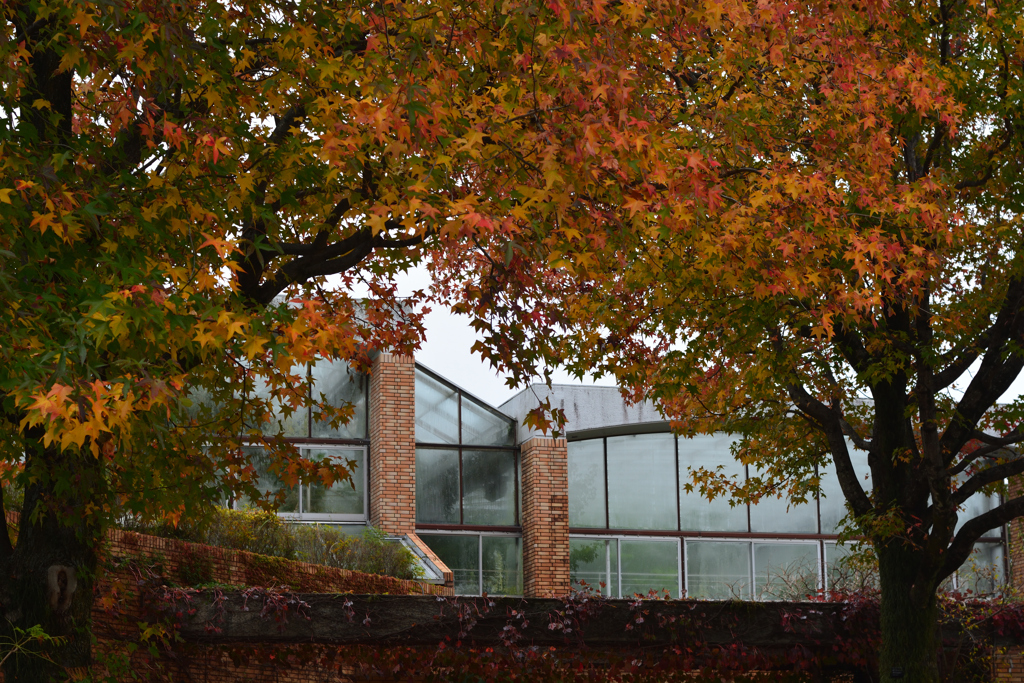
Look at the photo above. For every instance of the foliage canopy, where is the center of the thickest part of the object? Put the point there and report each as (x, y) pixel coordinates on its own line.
(189, 192)
(821, 249)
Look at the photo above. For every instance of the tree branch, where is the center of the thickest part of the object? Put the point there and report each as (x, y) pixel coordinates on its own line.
(994, 376)
(852, 348)
(988, 476)
(830, 423)
(963, 543)
(982, 452)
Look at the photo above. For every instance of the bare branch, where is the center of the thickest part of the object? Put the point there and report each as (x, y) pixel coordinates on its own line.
(998, 370)
(963, 543)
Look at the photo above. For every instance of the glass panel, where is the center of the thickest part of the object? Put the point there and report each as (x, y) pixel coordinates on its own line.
(462, 555)
(718, 570)
(437, 486)
(779, 516)
(982, 573)
(641, 482)
(488, 487)
(698, 513)
(338, 385)
(833, 502)
(484, 426)
(586, 484)
(979, 504)
(437, 411)
(269, 482)
(296, 422)
(848, 569)
(649, 565)
(503, 565)
(785, 571)
(345, 497)
(592, 561)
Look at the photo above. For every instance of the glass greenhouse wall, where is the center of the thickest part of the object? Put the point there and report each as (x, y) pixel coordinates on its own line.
(635, 527)
(468, 487)
(336, 384)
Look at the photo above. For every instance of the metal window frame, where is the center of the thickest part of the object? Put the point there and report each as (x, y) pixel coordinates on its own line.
(461, 445)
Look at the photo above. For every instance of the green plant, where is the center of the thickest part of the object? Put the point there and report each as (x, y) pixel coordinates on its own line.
(250, 529)
(264, 533)
(30, 642)
(371, 552)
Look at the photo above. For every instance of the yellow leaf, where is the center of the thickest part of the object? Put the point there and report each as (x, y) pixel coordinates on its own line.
(254, 347)
(84, 20)
(376, 223)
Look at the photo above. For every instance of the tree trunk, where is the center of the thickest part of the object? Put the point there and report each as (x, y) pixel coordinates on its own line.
(909, 618)
(51, 572)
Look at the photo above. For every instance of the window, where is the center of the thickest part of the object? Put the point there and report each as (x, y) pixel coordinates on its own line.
(467, 479)
(635, 527)
(718, 570)
(345, 501)
(641, 476)
(327, 381)
(587, 502)
(624, 483)
(712, 454)
(316, 438)
(481, 563)
(467, 470)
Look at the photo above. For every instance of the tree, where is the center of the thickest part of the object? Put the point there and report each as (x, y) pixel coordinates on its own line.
(823, 240)
(178, 182)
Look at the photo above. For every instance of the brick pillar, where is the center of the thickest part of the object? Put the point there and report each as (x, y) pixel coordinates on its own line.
(1015, 541)
(545, 517)
(393, 444)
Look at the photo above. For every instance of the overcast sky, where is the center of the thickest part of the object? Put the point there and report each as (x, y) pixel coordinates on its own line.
(446, 351)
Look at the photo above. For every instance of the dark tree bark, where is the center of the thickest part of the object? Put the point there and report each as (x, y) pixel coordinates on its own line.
(49, 575)
(908, 616)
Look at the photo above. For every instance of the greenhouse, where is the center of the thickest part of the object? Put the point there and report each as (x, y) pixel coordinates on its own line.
(436, 464)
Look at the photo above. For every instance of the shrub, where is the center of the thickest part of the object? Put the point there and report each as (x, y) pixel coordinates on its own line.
(252, 530)
(371, 553)
(264, 533)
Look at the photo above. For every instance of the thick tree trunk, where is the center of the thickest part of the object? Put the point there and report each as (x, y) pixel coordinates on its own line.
(909, 619)
(49, 577)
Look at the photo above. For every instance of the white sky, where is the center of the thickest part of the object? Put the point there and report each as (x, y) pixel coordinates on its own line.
(446, 351)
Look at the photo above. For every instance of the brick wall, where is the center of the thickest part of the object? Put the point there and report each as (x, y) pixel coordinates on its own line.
(175, 559)
(1008, 665)
(545, 517)
(393, 444)
(131, 560)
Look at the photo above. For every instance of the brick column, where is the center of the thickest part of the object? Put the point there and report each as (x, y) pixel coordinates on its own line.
(393, 444)
(545, 466)
(1015, 541)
